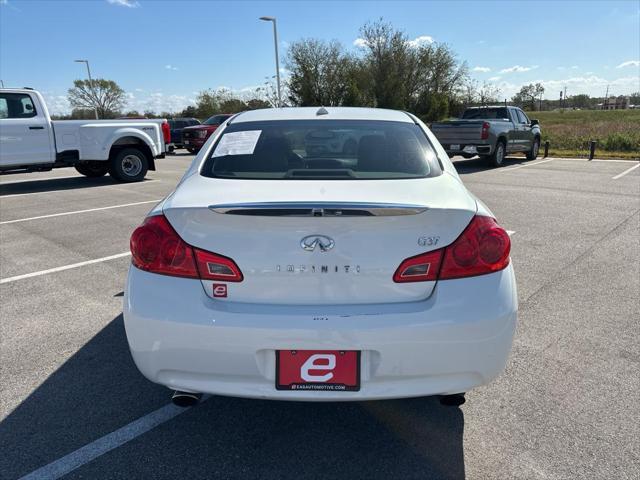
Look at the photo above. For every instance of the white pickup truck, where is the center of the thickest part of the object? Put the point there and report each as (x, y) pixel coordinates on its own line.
(30, 141)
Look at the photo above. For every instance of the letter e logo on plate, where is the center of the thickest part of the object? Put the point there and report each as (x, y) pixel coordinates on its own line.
(219, 290)
(319, 361)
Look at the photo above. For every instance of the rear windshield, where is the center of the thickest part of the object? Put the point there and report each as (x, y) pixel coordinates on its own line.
(216, 119)
(486, 113)
(322, 149)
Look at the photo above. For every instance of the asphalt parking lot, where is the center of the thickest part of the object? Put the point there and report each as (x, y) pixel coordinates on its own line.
(566, 407)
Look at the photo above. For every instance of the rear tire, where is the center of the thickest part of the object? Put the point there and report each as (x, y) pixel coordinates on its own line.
(93, 169)
(533, 153)
(193, 150)
(497, 158)
(129, 165)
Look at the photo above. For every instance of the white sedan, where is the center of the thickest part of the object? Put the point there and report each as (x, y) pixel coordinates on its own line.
(272, 272)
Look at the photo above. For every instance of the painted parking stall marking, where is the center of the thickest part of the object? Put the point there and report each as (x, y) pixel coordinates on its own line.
(99, 447)
(62, 214)
(64, 267)
(525, 165)
(628, 170)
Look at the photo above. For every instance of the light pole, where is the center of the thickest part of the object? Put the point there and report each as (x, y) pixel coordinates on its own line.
(275, 41)
(86, 62)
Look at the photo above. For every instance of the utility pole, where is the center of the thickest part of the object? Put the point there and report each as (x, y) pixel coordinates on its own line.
(606, 96)
(565, 97)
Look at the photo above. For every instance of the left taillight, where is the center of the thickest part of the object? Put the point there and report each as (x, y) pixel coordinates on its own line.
(157, 248)
(484, 134)
(483, 247)
(166, 132)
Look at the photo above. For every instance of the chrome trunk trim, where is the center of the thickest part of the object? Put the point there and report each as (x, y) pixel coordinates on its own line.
(320, 209)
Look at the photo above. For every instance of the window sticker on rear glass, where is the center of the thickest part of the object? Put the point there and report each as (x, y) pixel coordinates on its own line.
(237, 143)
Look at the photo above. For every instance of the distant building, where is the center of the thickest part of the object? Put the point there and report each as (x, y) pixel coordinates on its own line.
(615, 103)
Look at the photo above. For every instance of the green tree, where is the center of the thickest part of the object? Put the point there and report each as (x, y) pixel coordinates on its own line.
(320, 73)
(527, 95)
(189, 112)
(581, 101)
(102, 95)
(207, 103)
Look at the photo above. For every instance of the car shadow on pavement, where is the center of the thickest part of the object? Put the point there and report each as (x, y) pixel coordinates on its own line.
(54, 184)
(99, 390)
(477, 164)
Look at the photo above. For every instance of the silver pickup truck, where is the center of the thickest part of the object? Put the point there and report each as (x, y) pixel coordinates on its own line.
(491, 133)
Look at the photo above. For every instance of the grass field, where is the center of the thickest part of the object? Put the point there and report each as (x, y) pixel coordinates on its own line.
(569, 133)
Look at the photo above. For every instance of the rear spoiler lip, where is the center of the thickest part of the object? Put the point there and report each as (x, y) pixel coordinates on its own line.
(319, 209)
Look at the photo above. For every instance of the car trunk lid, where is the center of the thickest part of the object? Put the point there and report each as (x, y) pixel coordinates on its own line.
(313, 242)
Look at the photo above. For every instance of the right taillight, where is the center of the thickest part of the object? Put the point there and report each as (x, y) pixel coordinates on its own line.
(483, 247)
(156, 247)
(485, 131)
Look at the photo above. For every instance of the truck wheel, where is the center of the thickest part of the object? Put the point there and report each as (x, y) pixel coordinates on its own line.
(533, 153)
(497, 158)
(93, 169)
(129, 165)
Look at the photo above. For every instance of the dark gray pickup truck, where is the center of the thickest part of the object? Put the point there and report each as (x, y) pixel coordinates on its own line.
(491, 133)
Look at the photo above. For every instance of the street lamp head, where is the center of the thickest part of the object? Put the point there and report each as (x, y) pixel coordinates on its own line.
(81, 61)
(268, 19)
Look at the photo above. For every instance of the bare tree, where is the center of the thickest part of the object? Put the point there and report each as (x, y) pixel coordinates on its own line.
(105, 96)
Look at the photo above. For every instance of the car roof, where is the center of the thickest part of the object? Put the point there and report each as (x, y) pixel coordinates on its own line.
(490, 106)
(322, 113)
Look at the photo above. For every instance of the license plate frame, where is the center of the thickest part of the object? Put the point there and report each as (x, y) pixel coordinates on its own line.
(346, 371)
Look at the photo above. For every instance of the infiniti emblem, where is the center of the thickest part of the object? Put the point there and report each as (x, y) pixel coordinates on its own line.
(310, 242)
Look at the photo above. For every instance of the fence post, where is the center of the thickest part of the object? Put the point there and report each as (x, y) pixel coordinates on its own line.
(546, 149)
(592, 149)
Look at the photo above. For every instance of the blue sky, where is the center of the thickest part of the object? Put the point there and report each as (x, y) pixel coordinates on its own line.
(163, 52)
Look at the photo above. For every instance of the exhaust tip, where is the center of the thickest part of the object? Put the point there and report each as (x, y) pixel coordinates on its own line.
(185, 399)
(454, 400)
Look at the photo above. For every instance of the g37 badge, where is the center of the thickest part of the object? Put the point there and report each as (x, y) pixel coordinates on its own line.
(431, 241)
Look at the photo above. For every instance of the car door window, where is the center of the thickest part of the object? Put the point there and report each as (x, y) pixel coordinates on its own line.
(4, 108)
(16, 105)
(522, 118)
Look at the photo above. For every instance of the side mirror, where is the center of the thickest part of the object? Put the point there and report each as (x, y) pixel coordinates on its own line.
(534, 122)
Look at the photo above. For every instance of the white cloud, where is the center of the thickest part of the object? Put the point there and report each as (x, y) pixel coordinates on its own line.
(518, 69)
(360, 42)
(629, 63)
(421, 41)
(124, 3)
(170, 67)
(481, 69)
(494, 79)
(574, 67)
(4, 2)
(592, 85)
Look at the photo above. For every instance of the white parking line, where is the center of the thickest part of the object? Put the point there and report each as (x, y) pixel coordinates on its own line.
(65, 267)
(609, 160)
(526, 165)
(74, 189)
(626, 171)
(6, 222)
(510, 232)
(93, 450)
(41, 179)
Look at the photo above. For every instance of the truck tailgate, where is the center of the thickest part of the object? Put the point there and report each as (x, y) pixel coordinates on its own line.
(457, 132)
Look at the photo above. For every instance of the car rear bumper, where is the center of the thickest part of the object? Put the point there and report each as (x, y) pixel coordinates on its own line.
(469, 149)
(194, 142)
(458, 338)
